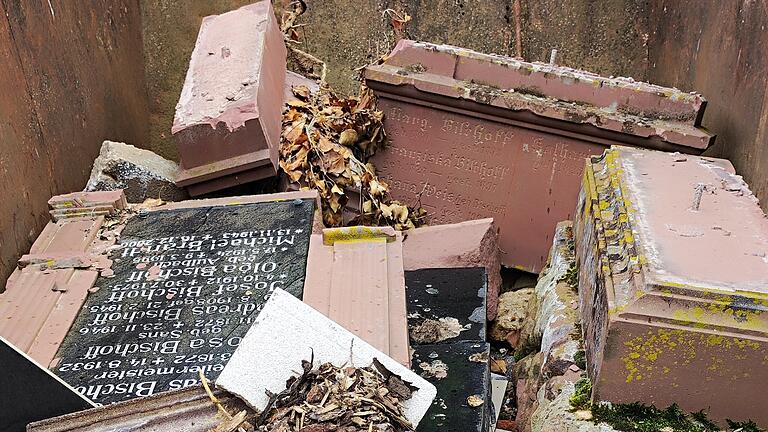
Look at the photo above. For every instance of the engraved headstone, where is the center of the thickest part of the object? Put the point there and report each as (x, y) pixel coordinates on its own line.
(187, 285)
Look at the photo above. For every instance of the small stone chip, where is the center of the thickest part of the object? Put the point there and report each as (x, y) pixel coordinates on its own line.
(475, 401)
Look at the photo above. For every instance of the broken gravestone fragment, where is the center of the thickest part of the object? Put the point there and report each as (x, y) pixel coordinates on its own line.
(465, 127)
(140, 173)
(227, 120)
(472, 243)
(286, 334)
(673, 283)
(446, 305)
(461, 373)
(187, 285)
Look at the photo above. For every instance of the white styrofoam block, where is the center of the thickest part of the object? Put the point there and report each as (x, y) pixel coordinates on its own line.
(286, 332)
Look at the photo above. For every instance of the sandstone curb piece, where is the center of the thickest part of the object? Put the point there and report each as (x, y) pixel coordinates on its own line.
(140, 173)
(673, 281)
(355, 277)
(227, 122)
(288, 331)
(471, 243)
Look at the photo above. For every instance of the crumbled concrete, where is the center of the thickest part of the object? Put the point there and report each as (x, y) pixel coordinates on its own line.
(513, 309)
(140, 173)
(434, 331)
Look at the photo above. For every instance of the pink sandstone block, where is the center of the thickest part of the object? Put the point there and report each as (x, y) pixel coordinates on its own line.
(355, 277)
(465, 244)
(227, 122)
(673, 283)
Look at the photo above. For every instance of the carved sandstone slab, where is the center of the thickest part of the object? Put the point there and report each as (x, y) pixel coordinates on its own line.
(189, 280)
(673, 283)
(227, 123)
(477, 136)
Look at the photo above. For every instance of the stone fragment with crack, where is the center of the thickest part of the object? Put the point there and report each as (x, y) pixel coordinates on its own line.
(140, 173)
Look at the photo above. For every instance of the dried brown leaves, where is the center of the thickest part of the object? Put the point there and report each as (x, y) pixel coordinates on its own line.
(325, 144)
(338, 399)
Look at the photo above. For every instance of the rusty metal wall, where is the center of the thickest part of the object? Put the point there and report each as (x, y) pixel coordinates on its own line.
(71, 76)
(719, 49)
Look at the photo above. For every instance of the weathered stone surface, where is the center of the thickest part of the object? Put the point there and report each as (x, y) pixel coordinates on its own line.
(672, 283)
(446, 305)
(187, 285)
(464, 125)
(140, 173)
(528, 379)
(460, 371)
(513, 310)
(553, 312)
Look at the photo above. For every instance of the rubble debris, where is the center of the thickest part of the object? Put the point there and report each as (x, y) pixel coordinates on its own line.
(463, 125)
(291, 332)
(325, 143)
(44, 294)
(661, 310)
(355, 277)
(446, 304)
(141, 174)
(463, 401)
(30, 392)
(471, 243)
(189, 279)
(86, 204)
(499, 385)
(188, 410)
(513, 309)
(432, 331)
(227, 122)
(331, 398)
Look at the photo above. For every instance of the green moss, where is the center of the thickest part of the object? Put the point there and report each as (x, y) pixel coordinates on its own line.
(580, 358)
(636, 417)
(582, 398)
(748, 426)
(571, 277)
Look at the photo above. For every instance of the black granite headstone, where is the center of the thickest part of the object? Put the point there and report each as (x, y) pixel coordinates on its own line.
(460, 371)
(448, 294)
(30, 392)
(187, 285)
